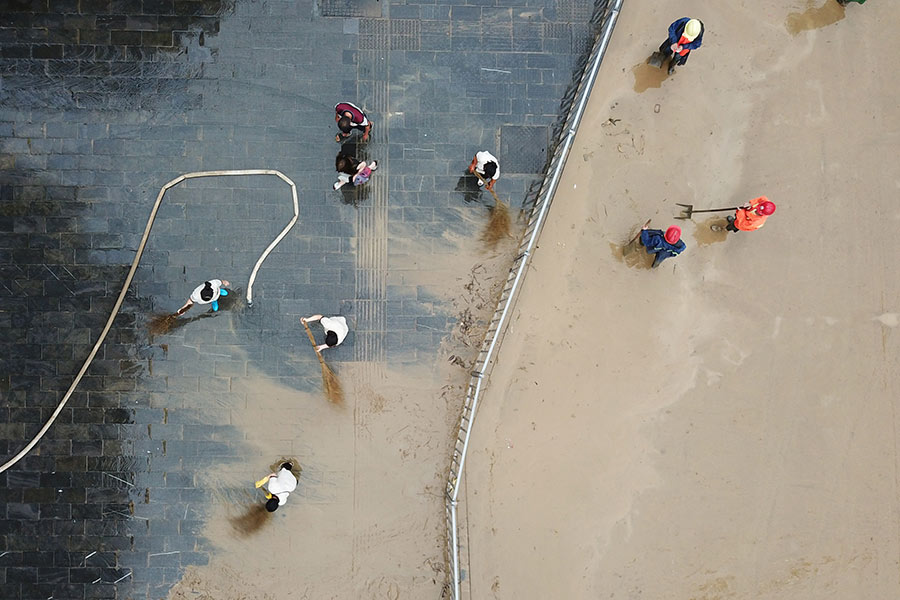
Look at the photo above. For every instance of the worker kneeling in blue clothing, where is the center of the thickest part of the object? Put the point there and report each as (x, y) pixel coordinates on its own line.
(664, 245)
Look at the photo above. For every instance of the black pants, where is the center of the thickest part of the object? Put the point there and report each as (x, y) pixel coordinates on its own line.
(665, 49)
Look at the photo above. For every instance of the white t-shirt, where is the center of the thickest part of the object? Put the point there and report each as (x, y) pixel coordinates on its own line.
(282, 485)
(338, 325)
(216, 288)
(484, 157)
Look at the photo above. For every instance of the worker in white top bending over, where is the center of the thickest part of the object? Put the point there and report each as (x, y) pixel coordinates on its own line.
(280, 486)
(335, 330)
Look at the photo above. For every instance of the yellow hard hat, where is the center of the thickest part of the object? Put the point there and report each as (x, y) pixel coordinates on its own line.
(692, 29)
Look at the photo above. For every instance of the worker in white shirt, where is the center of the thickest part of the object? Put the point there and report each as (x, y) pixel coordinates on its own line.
(486, 165)
(280, 486)
(335, 330)
(208, 293)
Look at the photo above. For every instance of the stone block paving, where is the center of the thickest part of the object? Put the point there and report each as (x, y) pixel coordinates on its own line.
(101, 103)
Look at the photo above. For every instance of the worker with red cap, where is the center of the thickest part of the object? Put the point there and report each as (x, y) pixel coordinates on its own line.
(751, 216)
(664, 245)
(685, 34)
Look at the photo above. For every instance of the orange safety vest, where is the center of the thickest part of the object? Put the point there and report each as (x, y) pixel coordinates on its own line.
(746, 219)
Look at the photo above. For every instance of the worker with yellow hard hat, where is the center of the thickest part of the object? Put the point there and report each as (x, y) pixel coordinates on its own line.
(685, 34)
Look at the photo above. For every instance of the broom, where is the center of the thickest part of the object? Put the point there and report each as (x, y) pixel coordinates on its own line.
(498, 225)
(163, 324)
(330, 383)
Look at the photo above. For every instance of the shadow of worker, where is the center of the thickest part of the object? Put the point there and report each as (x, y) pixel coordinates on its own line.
(468, 186)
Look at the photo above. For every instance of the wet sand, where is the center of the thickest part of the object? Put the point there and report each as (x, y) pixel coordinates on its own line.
(724, 426)
(367, 518)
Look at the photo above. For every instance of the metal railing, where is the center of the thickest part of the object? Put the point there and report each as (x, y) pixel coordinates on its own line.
(605, 19)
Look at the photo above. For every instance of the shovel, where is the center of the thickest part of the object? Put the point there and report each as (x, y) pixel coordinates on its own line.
(689, 210)
(627, 248)
(657, 59)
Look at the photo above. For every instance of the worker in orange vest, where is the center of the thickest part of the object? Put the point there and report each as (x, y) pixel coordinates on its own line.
(751, 216)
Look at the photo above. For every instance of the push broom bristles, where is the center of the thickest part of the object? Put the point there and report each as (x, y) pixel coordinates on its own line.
(160, 324)
(498, 225)
(331, 385)
(163, 324)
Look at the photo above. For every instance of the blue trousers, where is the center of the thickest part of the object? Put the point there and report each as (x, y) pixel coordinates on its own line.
(660, 256)
(215, 304)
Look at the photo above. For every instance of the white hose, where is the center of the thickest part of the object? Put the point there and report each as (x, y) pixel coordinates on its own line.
(134, 266)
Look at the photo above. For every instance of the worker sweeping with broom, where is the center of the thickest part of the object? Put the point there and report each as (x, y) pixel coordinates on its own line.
(486, 169)
(279, 486)
(207, 293)
(335, 331)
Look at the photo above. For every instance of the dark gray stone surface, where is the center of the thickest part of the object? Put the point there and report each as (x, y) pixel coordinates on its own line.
(101, 103)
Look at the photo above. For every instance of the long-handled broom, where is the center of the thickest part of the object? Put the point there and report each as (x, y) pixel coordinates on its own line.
(498, 226)
(330, 383)
(163, 324)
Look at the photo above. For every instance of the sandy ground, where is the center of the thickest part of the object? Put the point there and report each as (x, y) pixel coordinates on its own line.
(367, 518)
(724, 427)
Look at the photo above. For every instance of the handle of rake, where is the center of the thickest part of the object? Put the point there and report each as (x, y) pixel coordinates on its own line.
(491, 190)
(638, 234)
(715, 209)
(312, 341)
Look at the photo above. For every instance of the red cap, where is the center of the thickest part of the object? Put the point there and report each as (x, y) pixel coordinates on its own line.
(766, 207)
(673, 234)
